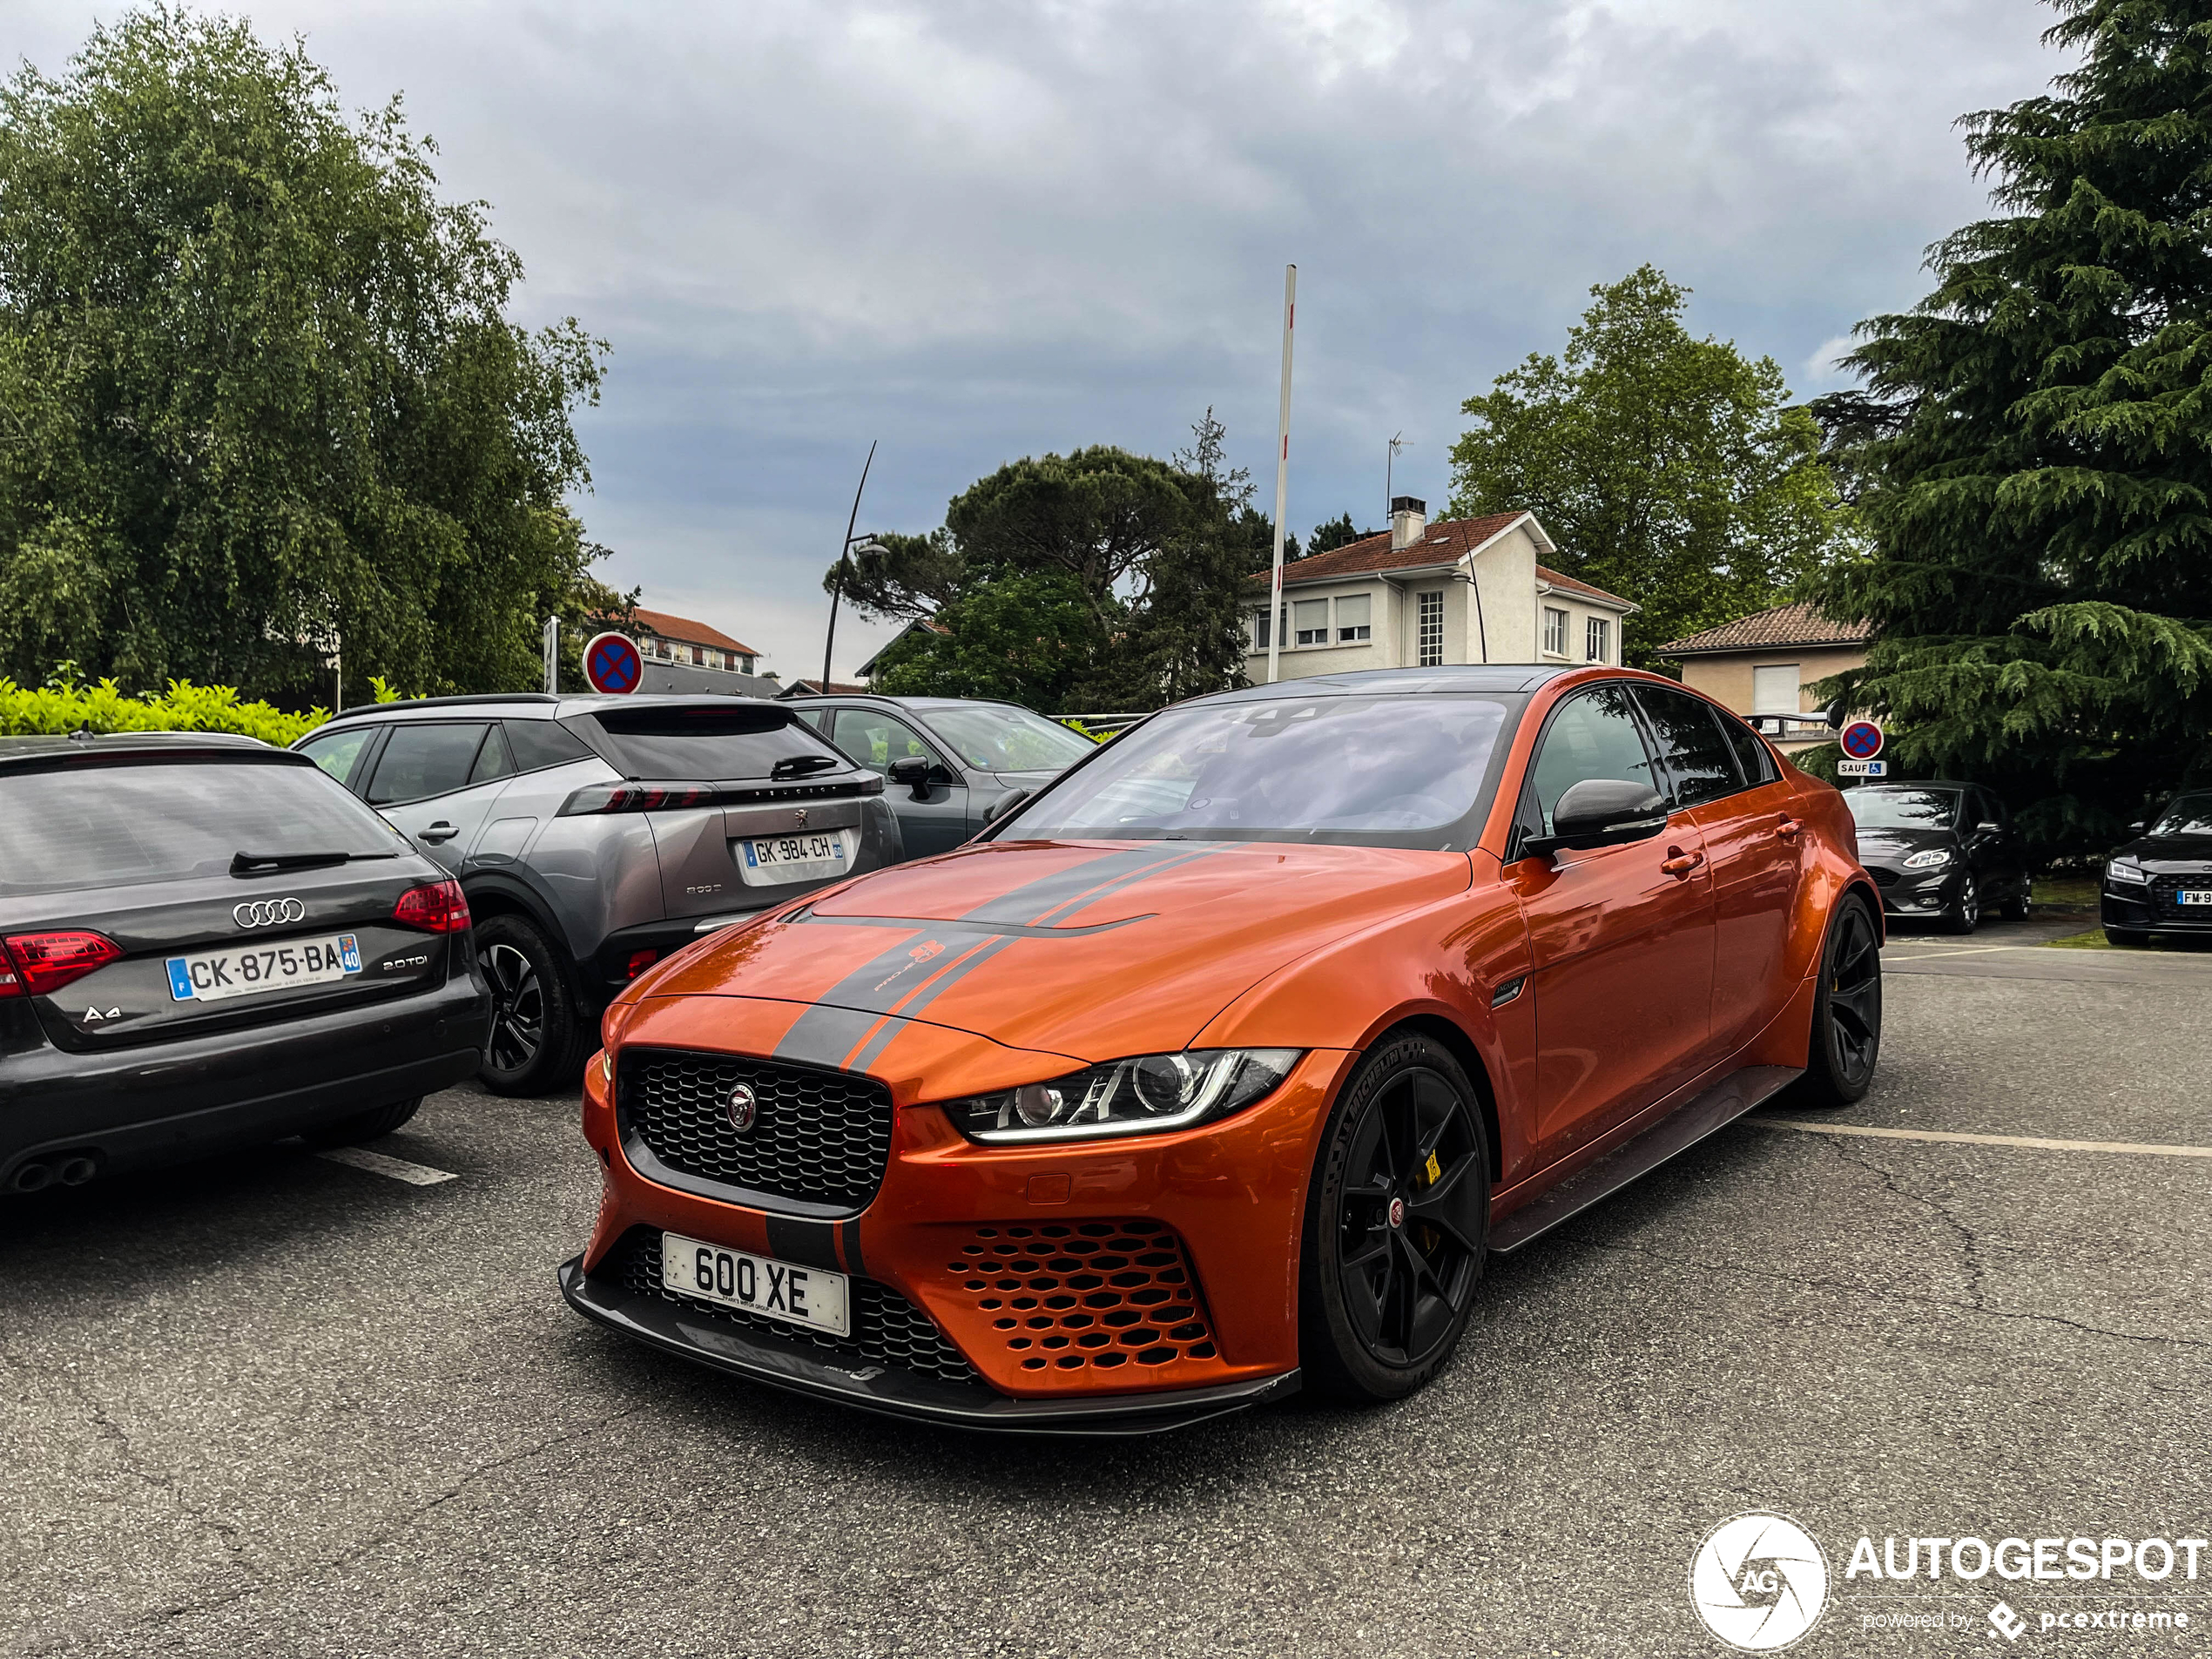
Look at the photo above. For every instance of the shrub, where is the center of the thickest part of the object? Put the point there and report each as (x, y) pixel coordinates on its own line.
(63, 706)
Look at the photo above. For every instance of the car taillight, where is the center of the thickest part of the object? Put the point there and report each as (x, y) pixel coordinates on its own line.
(594, 798)
(640, 961)
(45, 963)
(438, 907)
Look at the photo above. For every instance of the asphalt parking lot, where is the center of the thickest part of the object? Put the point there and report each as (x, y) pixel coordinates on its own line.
(289, 1406)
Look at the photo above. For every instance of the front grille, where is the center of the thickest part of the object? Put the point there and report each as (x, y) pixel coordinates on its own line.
(887, 1330)
(821, 1137)
(2165, 896)
(1100, 1294)
(1883, 876)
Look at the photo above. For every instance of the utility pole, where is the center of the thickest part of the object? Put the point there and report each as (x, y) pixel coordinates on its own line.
(844, 551)
(553, 654)
(1282, 479)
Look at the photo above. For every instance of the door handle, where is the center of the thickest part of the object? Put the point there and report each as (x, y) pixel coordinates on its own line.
(1788, 829)
(438, 834)
(1680, 863)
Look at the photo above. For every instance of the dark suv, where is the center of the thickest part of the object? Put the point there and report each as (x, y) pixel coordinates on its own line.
(594, 835)
(205, 942)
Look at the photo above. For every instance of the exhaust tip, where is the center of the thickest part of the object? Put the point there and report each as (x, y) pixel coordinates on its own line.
(76, 1171)
(31, 1177)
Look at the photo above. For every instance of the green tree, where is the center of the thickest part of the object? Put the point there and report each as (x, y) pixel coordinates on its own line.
(2039, 448)
(1098, 579)
(1336, 533)
(259, 394)
(1668, 469)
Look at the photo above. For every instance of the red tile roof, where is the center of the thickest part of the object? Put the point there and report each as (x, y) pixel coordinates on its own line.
(1785, 626)
(684, 631)
(1443, 543)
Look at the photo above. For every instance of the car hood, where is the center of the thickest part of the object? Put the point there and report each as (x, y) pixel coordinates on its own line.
(2183, 854)
(1890, 845)
(1092, 949)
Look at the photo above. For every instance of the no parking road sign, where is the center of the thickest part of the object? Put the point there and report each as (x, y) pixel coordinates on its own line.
(1862, 741)
(612, 664)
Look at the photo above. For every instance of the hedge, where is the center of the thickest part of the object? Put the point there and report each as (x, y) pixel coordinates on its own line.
(62, 707)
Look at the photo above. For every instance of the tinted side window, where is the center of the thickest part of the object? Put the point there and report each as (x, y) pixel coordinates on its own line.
(421, 761)
(492, 760)
(1697, 756)
(337, 751)
(1750, 754)
(542, 743)
(1594, 735)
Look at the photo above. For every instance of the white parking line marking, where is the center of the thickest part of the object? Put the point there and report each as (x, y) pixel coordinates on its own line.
(416, 1175)
(2037, 1142)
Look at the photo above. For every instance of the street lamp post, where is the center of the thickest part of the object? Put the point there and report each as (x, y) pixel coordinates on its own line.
(837, 588)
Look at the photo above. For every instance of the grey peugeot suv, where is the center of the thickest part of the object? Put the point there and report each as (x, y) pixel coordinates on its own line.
(594, 835)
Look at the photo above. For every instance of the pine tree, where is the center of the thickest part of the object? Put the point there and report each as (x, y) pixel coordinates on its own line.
(2039, 487)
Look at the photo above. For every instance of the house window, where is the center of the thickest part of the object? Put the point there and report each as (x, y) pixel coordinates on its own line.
(1774, 689)
(1259, 628)
(1554, 632)
(1599, 639)
(1431, 634)
(1352, 624)
(1311, 617)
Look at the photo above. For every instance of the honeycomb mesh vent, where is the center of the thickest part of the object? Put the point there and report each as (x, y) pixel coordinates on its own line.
(821, 1136)
(887, 1330)
(1102, 1295)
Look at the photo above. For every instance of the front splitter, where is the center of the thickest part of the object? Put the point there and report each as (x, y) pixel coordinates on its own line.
(889, 1392)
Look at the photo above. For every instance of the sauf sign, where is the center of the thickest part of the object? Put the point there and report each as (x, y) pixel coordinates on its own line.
(1861, 742)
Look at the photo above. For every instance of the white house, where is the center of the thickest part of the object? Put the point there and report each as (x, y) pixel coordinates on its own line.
(1425, 595)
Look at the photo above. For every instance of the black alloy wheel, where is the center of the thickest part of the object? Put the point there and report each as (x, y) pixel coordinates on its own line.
(533, 1015)
(1397, 1225)
(1965, 914)
(2016, 908)
(1847, 1011)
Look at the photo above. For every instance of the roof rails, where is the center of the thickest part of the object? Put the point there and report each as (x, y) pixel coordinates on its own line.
(448, 702)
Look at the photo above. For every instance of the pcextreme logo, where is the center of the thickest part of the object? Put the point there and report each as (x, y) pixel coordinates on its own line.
(1758, 1581)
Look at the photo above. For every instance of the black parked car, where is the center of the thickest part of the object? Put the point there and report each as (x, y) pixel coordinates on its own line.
(206, 942)
(950, 765)
(1940, 850)
(2161, 882)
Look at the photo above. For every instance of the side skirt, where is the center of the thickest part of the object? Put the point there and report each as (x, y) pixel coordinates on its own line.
(1720, 1105)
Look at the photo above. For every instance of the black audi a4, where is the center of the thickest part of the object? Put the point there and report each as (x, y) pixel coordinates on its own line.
(2160, 882)
(206, 942)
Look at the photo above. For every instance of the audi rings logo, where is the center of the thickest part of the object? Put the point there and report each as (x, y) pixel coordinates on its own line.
(1758, 1581)
(744, 1109)
(267, 913)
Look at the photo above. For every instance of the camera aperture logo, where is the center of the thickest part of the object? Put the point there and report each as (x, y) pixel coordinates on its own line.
(1758, 1581)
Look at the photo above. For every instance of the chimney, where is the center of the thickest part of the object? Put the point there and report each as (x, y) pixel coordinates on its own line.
(1409, 521)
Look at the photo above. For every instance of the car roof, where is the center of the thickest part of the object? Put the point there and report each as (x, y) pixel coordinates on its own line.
(535, 706)
(1405, 682)
(920, 705)
(123, 746)
(1919, 783)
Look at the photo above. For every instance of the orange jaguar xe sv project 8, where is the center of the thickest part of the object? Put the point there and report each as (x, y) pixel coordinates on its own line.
(1220, 1066)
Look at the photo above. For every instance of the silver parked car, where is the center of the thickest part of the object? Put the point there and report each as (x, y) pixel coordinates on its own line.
(594, 835)
(953, 764)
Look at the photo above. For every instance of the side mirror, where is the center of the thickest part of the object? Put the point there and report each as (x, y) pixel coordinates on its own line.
(1602, 812)
(1836, 714)
(1988, 828)
(1007, 802)
(2138, 827)
(913, 771)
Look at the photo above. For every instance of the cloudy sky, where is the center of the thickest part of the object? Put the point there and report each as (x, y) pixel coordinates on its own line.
(975, 231)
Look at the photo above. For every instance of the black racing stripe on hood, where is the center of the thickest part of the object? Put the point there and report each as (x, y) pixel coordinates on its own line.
(826, 1036)
(1036, 902)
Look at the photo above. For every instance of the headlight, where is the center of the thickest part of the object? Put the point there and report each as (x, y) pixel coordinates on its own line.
(2127, 870)
(1141, 1096)
(1934, 858)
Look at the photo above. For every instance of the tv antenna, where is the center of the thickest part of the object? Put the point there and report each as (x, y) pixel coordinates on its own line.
(1390, 467)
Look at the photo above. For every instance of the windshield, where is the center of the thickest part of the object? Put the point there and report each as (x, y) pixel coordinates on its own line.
(992, 738)
(744, 740)
(116, 826)
(1910, 809)
(2190, 815)
(1389, 771)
